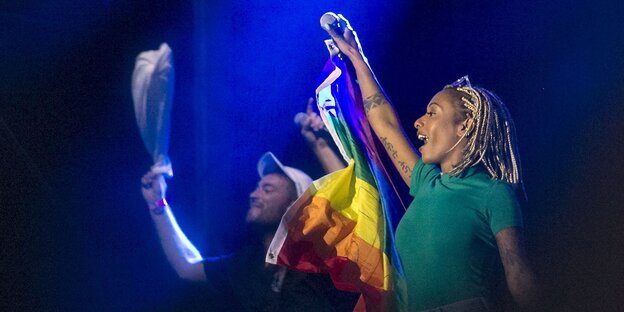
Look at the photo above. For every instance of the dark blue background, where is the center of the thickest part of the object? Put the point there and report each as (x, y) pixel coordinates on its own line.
(75, 231)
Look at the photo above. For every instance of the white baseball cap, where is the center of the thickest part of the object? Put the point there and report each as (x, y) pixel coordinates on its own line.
(268, 164)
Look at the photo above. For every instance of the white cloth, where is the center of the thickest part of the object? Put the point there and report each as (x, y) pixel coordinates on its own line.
(152, 93)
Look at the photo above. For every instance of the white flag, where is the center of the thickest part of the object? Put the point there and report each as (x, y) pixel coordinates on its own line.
(152, 92)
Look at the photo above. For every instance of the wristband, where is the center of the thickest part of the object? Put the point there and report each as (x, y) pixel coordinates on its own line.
(160, 206)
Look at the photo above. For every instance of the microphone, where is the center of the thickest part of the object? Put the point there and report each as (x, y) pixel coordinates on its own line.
(330, 20)
(299, 118)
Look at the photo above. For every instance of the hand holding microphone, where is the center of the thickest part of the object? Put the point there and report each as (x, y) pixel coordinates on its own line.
(338, 27)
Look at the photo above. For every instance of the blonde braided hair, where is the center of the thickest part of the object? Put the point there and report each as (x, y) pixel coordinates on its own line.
(491, 135)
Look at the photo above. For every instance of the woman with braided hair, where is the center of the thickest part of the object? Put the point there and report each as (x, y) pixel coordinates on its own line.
(465, 219)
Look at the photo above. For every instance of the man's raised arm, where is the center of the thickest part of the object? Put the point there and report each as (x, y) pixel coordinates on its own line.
(182, 255)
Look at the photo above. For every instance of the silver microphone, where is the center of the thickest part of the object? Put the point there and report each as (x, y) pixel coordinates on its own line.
(330, 20)
(299, 118)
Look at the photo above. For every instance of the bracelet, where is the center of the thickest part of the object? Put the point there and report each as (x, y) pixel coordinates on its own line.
(160, 206)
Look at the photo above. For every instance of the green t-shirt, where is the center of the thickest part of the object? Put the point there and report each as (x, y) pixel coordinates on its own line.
(446, 239)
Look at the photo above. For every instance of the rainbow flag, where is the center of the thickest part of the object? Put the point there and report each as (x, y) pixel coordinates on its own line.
(344, 223)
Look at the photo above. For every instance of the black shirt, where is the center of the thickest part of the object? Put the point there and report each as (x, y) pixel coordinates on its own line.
(247, 283)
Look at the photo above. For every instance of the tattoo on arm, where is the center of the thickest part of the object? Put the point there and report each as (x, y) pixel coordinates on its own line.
(406, 169)
(509, 257)
(373, 101)
(394, 155)
(520, 278)
(512, 258)
(391, 151)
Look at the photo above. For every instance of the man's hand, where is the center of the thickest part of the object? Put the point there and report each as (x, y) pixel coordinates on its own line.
(153, 187)
(311, 125)
(311, 128)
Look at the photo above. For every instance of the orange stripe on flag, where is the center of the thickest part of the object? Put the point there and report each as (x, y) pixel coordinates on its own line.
(334, 240)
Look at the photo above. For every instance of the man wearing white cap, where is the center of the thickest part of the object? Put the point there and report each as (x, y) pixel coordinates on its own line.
(243, 278)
